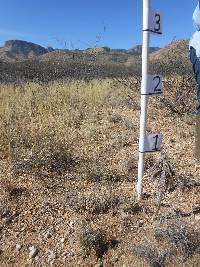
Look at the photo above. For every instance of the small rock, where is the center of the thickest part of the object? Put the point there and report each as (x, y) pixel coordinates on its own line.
(71, 253)
(29, 263)
(99, 265)
(114, 259)
(51, 256)
(18, 247)
(62, 240)
(37, 258)
(48, 235)
(17, 234)
(71, 224)
(141, 223)
(197, 217)
(33, 251)
(65, 253)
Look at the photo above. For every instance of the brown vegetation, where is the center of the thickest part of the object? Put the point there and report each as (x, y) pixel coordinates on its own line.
(68, 154)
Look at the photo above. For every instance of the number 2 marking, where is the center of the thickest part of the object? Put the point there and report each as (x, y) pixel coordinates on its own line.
(157, 23)
(156, 89)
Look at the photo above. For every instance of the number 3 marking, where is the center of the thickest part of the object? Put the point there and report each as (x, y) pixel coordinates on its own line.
(157, 23)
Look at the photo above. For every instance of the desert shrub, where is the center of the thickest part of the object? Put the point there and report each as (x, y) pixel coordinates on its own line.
(172, 240)
(92, 239)
(36, 70)
(96, 201)
(95, 173)
(188, 182)
(163, 171)
(101, 200)
(180, 98)
(40, 124)
(125, 122)
(130, 205)
(46, 153)
(150, 253)
(182, 238)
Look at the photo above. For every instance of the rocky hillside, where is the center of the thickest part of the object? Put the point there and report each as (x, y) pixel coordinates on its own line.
(136, 50)
(17, 50)
(68, 157)
(174, 58)
(174, 50)
(46, 65)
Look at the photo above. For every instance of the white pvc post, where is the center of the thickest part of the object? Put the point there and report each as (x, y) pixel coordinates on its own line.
(144, 98)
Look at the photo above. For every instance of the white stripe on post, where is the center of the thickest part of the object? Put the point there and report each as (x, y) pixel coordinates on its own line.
(144, 98)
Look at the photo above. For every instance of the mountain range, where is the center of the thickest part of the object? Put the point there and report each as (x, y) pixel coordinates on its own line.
(19, 50)
(22, 61)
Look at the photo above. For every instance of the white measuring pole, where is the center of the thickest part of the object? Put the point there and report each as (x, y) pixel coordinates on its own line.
(144, 98)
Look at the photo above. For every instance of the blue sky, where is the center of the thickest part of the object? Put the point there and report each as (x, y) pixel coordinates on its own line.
(78, 24)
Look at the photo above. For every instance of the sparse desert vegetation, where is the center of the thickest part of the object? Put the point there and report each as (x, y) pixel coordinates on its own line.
(68, 155)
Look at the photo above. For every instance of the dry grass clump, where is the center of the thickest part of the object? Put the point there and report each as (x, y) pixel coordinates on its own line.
(93, 240)
(151, 254)
(46, 153)
(163, 171)
(181, 237)
(96, 173)
(40, 125)
(130, 205)
(118, 118)
(101, 199)
(189, 182)
(95, 201)
(173, 240)
(179, 98)
(71, 125)
(32, 148)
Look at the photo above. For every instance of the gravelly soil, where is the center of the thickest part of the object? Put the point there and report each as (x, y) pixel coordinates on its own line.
(39, 228)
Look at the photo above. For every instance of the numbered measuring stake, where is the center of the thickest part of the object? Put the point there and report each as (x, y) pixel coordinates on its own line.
(151, 86)
(155, 22)
(154, 86)
(152, 143)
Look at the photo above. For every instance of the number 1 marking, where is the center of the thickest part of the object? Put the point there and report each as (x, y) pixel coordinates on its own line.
(152, 143)
(156, 142)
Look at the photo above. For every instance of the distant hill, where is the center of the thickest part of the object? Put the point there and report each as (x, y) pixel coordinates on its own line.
(91, 56)
(100, 55)
(178, 49)
(137, 50)
(21, 61)
(17, 50)
(174, 58)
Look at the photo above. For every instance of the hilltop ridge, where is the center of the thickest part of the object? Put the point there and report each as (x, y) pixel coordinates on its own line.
(19, 50)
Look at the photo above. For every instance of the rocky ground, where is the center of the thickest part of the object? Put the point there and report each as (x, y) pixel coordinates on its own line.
(87, 215)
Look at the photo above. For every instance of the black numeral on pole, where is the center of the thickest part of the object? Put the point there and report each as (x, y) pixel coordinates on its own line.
(156, 142)
(157, 23)
(156, 89)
